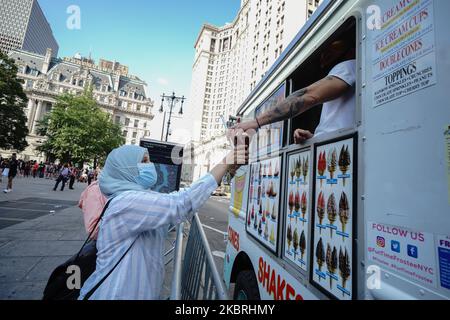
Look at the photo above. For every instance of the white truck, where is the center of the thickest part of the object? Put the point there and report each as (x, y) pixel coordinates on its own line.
(364, 212)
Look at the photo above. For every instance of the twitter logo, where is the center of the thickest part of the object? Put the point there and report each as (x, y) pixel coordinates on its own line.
(395, 246)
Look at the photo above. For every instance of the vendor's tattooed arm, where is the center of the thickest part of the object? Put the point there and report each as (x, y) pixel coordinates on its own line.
(302, 100)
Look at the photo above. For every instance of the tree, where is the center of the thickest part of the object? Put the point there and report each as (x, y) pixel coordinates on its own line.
(13, 101)
(77, 130)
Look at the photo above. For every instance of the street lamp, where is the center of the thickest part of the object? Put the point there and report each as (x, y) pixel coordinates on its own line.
(172, 101)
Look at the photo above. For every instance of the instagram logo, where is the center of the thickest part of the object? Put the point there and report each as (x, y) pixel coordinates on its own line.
(381, 242)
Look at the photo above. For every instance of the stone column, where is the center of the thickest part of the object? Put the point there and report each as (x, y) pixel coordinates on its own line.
(37, 116)
(30, 118)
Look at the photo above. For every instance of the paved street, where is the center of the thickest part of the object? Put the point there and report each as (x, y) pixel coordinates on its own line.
(40, 228)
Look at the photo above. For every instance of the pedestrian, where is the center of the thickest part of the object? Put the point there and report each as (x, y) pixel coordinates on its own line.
(72, 174)
(91, 176)
(63, 176)
(135, 225)
(35, 169)
(13, 168)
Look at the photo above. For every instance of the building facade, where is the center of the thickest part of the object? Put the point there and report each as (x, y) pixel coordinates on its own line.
(123, 96)
(24, 26)
(231, 60)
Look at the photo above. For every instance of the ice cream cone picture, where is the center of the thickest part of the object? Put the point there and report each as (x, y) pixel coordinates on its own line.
(304, 206)
(264, 172)
(320, 255)
(332, 262)
(260, 228)
(289, 237)
(270, 170)
(322, 165)
(344, 161)
(291, 204)
(344, 267)
(344, 212)
(249, 221)
(302, 244)
(331, 162)
(255, 223)
(321, 209)
(332, 212)
(296, 243)
(292, 173)
(297, 204)
(305, 170)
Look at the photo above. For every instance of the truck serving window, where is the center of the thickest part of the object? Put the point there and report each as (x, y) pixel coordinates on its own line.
(311, 71)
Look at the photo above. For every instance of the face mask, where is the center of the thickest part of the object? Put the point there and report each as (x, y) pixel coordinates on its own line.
(147, 175)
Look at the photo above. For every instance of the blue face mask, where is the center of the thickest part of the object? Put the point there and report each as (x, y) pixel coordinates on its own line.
(147, 175)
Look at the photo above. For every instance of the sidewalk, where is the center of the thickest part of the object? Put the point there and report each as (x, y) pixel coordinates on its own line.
(39, 230)
(30, 250)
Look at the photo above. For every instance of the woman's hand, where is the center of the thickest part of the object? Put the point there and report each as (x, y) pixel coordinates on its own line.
(300, 136)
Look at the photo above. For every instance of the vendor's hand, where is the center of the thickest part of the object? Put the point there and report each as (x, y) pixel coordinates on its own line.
(300, 136)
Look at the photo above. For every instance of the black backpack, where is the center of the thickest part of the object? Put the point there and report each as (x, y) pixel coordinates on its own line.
(57, 287)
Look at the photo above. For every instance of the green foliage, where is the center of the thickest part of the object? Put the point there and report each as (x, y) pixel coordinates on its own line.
(78, 130)
(13, 101)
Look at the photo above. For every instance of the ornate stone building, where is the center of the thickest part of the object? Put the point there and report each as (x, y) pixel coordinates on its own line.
(123, 96)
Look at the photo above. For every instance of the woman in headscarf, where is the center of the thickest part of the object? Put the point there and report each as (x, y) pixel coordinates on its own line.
(138, 219)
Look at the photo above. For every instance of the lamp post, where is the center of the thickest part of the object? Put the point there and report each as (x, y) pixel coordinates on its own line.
(172, 101)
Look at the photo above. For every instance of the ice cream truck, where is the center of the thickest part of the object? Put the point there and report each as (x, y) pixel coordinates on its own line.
(362, 212)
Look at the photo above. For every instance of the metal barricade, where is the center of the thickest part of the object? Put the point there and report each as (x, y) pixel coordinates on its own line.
(198, 279)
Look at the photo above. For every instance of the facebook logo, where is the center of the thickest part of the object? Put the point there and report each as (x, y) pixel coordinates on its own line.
(412, 251)
(395, 246)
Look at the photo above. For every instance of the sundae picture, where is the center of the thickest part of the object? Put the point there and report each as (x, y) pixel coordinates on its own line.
(344, 267)
(305, 169)
(270, 170)
(296, 243)
(274, 214)
(253, 213)
(264, 172)
(320, 255)
(321, 209)
(260, 228)
(272, 236)
(304, 205)
(249, 221)
(344, 211)
(263, 219)
(332, 162)
(266, 232)
(289, 237)
(277, 170)
(331, 211)
(302, 244)
(332, 262)
(260, 212)
(255, 223)
(344, 161)
(292, 173)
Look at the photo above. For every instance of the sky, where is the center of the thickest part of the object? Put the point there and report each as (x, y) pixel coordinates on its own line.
(155, 38)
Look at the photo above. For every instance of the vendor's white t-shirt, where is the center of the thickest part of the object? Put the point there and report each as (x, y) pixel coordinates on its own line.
(340, 113)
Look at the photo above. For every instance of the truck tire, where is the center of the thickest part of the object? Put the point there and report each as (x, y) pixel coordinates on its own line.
(246, 286)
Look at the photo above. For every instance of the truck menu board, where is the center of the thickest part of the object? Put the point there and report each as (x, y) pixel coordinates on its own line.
(264, 200)
(298, 208)
(331, 262)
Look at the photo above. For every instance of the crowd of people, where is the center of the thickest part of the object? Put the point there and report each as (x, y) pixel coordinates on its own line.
(10, 168)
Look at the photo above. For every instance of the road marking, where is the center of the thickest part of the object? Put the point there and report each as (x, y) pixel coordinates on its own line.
(20, 209)
(219, 254)
(13, 219)
(214, 229)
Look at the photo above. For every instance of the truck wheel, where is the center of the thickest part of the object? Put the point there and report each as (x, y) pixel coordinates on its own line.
(246, 286)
